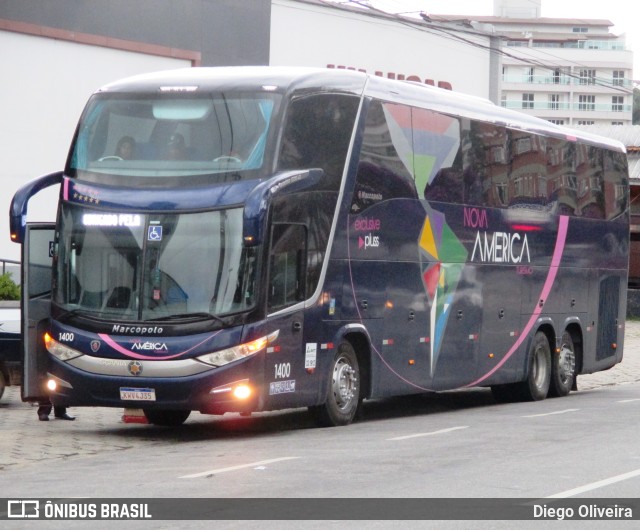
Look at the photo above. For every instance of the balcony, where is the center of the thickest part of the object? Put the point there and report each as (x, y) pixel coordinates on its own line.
(566, 80)
(576, 106)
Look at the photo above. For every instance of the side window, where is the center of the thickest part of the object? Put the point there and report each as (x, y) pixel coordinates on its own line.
(437, 155)
(561, 174)
(616, 184)
(491, 147)
(317, 134)
(589, 180)
(528, 179)
(385, 168)
(287, 265)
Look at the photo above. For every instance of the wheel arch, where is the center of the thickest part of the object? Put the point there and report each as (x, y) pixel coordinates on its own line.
(360, 341)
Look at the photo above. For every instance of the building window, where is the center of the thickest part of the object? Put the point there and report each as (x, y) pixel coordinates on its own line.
(617, 103)
(587, 77)
(586, 102)
(617, 123)
(586, 122)
(527, 101)
(618, 77)
(557, 122)
(580, 30)
(554, 101)
(530, 74)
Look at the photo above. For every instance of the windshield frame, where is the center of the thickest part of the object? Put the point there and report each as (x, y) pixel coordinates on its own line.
(156, 170)
(199, 255)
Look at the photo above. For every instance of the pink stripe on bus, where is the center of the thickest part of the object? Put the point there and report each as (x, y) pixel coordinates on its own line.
(546, 289)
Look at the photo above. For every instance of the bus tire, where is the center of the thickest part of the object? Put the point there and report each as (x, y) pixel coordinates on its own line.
(167, 418)
(536, 386)
(563, 367)
(343, 392)
(2, 383)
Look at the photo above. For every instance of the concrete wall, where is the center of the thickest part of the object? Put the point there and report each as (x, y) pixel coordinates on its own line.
(226, 32)
(313, 34)
(55, 53)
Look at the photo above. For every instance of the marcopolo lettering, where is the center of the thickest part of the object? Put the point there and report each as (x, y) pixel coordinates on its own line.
(136, 330)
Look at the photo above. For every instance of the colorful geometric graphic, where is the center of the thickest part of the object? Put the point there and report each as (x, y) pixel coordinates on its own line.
(424, 140)
(442, 258)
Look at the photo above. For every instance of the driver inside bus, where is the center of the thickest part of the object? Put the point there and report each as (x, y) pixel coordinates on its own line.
(126, 147)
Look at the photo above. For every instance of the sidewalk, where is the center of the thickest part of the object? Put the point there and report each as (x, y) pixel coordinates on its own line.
(25, 441)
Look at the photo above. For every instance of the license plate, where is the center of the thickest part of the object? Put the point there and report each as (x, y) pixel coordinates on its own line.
(137, 394)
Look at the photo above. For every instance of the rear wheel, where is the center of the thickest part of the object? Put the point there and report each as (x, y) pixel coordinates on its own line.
(536, 386)
(563, 367)
(343, 394)
(2, 383)
(167, 418)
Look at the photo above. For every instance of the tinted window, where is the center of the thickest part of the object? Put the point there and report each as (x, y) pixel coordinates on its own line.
(317, 134)
(385, 168)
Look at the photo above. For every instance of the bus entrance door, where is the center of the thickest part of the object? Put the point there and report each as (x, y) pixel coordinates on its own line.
(37, 254)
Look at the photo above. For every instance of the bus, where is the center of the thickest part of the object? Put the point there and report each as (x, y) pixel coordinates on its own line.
(250, 239)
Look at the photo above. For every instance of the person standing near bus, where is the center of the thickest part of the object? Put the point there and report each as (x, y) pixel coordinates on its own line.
(44, 409)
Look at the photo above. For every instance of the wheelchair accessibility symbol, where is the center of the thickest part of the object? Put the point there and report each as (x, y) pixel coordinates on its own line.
(154, 233)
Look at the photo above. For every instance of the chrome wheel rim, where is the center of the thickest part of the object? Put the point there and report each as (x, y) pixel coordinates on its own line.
(344, 383)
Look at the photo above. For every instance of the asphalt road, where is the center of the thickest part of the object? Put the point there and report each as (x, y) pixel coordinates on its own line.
(452, 444)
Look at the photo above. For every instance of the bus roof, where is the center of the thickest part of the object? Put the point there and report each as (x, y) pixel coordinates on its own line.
(290, 79)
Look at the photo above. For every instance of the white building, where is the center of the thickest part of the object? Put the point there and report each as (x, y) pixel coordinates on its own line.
(568, 71)
(325, 34)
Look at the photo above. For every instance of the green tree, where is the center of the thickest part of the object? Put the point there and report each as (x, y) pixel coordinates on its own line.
(8, 288)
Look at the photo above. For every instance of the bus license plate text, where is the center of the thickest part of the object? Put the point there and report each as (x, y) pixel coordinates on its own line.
(137, 394)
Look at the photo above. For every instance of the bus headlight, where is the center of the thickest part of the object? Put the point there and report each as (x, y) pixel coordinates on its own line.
(241, 351)
(59, 350)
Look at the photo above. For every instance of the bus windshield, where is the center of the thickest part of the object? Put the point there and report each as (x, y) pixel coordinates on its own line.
(141, 267)
(172, 135)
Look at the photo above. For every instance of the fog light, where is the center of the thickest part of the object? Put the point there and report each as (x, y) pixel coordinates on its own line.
(242, 391)
(52, 385)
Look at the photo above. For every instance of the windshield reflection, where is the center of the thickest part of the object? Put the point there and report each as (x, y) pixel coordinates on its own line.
(154, 135)
(137, 267)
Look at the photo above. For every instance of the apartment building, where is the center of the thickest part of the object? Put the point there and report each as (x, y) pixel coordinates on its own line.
(568, 71)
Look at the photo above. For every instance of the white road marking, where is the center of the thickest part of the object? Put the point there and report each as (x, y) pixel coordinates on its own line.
(628, 400)
(441, 431)
(551, 413)
(595, 485)
(243, 466)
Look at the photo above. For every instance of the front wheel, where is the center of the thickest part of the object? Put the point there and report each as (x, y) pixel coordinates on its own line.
(167, 418)
(343, 394)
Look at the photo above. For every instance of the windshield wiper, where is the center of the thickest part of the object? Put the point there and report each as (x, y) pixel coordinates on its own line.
(188, 316)
(79, 311)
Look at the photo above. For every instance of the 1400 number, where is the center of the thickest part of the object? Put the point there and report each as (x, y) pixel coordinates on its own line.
(282, 370)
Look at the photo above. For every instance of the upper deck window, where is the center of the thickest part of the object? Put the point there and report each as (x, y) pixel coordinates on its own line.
(170, 135)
